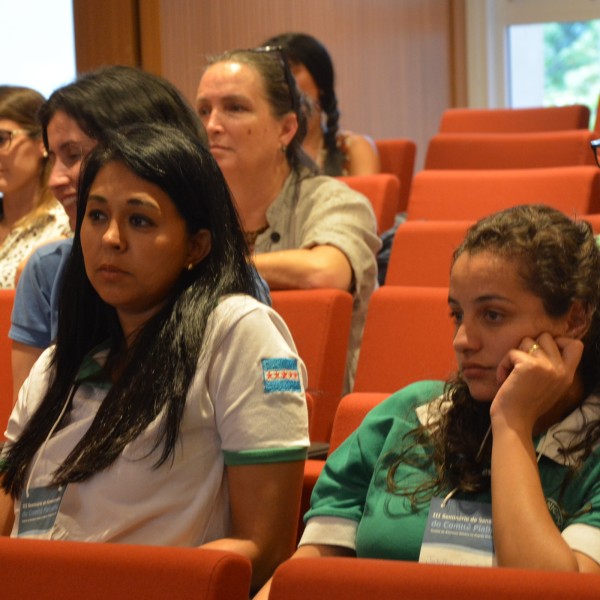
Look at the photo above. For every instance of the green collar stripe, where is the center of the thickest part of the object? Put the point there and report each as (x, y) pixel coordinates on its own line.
(92, 366)
(265, 455)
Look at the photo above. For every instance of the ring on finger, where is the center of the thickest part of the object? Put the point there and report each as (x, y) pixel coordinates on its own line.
(533, 348)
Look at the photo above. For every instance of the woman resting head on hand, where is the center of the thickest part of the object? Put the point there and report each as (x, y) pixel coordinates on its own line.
(518, 427)
(159, 416)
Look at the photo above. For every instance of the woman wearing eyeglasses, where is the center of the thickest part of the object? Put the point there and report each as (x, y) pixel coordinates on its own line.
(306, 230)
(29, 213)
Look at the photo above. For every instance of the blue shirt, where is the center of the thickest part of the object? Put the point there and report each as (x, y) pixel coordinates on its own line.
(35, 311)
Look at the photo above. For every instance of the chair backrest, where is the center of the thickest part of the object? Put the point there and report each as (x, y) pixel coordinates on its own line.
(397, 156)
(515, 120)
(510, 150)
(407, 337)
(422, 251)
(349, 414)
(73, 570)
(355, 578)
(470, 195)
(7, 298)
(382, 190)
(351, 410)
(319, 321)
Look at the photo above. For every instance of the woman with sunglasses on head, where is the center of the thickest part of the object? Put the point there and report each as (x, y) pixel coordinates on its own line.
(29, 213)
(171, 409)
(336, 151)
(306, 231)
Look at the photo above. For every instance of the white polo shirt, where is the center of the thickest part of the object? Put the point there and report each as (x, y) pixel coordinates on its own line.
(246, 405)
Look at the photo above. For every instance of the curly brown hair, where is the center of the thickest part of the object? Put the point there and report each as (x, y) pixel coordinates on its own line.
(558, 261)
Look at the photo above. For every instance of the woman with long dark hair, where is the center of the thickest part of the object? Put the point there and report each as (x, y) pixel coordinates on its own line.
(171, 409)
(73, 120)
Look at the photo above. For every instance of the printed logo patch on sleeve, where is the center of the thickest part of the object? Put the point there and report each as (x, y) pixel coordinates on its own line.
(281, 375)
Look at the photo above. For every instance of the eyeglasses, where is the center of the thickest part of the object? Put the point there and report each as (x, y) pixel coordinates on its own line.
(6, 136)
(68, 155)
(287, 73)
(595, 144)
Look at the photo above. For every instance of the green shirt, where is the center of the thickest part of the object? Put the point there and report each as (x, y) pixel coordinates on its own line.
(351, 498)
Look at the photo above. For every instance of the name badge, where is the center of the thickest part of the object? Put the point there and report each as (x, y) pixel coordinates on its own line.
(38, 511)
(458, 532)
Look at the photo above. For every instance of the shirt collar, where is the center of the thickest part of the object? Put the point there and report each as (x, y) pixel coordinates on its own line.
(569, 431)
(92, 366)
(429, 413)
(560, 435)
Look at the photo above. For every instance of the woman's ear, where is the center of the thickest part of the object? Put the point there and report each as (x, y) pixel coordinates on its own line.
(200, 244)
(289, 127)
(578, 320)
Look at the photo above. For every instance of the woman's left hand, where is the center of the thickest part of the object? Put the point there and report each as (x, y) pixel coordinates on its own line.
(538, 386)
(534, 377)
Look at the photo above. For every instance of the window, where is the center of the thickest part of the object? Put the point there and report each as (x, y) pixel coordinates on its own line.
(37, 44)
(533, 52)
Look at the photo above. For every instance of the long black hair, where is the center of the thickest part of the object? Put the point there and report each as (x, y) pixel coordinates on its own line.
(116, 96)
(304, 49)
(158, 367)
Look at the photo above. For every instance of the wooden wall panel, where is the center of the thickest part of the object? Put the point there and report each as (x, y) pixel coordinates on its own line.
(150, 36)
(399, 63)
(392, 57)
(106, 33)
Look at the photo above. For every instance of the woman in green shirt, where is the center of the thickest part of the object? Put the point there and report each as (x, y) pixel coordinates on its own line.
(517, 427)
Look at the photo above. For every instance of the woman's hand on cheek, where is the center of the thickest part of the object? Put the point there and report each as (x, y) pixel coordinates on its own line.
(533, 378)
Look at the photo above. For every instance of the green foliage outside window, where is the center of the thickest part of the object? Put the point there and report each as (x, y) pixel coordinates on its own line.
(572, 64)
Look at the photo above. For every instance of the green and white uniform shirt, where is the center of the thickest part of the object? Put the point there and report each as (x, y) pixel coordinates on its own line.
(245, 405)
(352, 507)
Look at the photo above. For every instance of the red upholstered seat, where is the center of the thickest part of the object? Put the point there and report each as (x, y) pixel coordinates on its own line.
(422, 252)
(469, 195)
(354, 579)
(407, 338)
(319, 321)
(59, 570)
(515, 120)
(397, 156)
(382, 190)
(510, 150)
